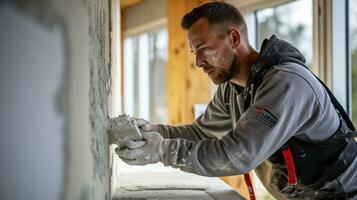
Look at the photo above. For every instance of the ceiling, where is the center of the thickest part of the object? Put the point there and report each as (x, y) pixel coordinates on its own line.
(127, 3)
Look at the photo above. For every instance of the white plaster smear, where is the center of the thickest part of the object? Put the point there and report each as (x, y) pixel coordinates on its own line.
(121, 127)
(159, 182)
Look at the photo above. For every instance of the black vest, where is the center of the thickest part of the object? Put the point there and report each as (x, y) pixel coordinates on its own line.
(315, 163)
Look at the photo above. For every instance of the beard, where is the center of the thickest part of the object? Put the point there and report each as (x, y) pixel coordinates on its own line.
(223, 75)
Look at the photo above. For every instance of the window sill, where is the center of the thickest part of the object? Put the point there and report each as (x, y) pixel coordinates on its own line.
(167, 183)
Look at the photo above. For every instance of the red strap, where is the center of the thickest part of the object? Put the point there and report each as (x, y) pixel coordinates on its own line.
(290, 166)
(249, 186)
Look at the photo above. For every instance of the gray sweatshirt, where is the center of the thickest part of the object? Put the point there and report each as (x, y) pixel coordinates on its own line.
(229, 139)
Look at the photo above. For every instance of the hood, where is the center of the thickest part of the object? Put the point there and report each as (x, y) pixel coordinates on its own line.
(274, 52)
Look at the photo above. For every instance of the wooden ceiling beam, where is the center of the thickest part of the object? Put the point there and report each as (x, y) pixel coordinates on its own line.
(124, 4)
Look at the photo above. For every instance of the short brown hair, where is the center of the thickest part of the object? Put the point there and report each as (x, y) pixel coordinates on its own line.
(215, 12)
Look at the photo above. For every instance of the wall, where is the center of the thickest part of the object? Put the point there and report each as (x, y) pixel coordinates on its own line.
(31, 123)
(54, 82)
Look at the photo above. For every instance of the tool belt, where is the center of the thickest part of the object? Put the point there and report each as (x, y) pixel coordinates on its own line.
(314, 164)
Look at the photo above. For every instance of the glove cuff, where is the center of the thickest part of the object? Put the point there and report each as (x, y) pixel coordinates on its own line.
(160, 129)
(163, 149)
(177, 152)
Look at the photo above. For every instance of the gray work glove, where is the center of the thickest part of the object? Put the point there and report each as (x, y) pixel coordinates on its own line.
(122, 128)
(151, 152)
(145, 125)
(127, 142)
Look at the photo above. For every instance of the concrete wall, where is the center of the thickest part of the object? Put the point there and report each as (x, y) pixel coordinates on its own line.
(54, 81)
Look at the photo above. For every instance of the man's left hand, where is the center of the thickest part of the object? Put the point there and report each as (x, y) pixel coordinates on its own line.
(151, 152)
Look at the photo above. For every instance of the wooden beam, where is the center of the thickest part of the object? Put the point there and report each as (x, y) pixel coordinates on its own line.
(187, 84)
(238, 183)
(124, 4)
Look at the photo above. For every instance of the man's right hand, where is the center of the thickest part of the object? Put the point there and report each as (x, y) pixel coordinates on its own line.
(148, 151)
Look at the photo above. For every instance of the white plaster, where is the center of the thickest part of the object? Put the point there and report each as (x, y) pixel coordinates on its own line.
(85, 40)
(168, 183)
(123, 127)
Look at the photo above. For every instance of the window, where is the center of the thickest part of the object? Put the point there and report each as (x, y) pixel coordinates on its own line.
(145, 59)
(353, 55)
(291, 22)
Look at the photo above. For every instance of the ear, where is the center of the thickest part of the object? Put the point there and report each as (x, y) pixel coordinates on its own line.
(234, 37)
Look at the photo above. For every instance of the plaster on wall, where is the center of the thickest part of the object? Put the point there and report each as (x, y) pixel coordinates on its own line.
(80, 95)
(99, 85)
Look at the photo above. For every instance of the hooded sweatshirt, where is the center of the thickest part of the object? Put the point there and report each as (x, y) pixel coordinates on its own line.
(233, 137)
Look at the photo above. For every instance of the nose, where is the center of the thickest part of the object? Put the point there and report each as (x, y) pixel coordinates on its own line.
(200, 62)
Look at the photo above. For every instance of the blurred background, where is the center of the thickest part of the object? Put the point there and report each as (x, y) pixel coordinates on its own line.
(67, 65)
(155, 52)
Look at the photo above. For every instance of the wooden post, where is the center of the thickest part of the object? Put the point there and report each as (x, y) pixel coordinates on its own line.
(187, 84)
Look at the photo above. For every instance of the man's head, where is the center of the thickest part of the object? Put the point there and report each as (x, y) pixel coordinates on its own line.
(215, 30)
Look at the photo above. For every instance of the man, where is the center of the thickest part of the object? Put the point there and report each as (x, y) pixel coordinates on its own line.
(269, 114)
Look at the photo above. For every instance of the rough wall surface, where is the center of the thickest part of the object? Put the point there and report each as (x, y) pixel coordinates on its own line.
(82, 29)
(88, 30)
(99, 63)
(99, 85)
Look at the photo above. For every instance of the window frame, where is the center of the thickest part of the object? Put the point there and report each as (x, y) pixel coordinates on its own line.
(330, 42)
(341, 80)
(144, 107)
(115, 99)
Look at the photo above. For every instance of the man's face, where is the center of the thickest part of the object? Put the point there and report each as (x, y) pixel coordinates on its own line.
(213, 51)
